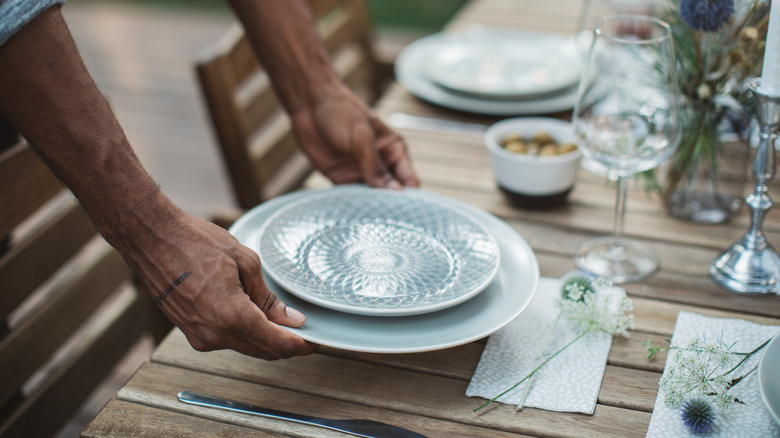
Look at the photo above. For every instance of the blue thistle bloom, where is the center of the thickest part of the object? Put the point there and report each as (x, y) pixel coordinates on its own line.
(698, 415)
(706, 15)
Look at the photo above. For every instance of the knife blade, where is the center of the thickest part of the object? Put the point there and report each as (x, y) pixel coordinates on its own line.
(361, 428)
(432, 124)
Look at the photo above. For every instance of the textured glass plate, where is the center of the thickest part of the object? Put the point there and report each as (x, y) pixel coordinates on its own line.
(769, 377)
(506, 64)
(501, 302)
(377, 252)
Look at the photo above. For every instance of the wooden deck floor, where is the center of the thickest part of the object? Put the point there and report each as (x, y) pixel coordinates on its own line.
(141, 59)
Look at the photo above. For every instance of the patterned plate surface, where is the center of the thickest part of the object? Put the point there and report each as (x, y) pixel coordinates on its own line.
(377, 252)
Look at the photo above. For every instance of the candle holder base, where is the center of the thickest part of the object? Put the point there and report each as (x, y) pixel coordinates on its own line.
(747, 271)
(751, 266)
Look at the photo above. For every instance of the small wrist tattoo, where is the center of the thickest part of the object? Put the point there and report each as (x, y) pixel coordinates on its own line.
(167, 291)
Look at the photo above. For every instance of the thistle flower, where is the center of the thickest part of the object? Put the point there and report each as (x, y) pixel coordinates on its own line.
(698, 415)
(706, 15)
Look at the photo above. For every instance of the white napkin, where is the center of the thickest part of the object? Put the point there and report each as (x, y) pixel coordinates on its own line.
(570, 382)
(751, 419)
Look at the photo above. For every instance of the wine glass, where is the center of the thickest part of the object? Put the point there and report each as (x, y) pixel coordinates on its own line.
(627, 121)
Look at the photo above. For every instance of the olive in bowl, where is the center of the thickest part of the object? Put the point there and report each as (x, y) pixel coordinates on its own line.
(535, 160)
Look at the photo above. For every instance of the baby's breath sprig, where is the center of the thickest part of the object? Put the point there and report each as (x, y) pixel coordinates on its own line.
(585, 306)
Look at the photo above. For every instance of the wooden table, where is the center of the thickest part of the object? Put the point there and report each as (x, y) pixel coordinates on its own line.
(425, 392)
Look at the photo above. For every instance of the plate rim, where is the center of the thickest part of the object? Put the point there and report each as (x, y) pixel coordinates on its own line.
(374, 311)
(500, 35)
(424, 342)
(774, 344)
(407, 70)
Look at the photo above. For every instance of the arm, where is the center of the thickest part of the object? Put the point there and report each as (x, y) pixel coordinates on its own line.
(343, 137)
(208, 284)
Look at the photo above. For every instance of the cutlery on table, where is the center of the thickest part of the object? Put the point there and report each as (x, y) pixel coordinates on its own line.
(361, 428)
(432, 124)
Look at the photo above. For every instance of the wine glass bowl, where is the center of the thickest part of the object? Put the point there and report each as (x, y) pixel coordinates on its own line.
(630, 126)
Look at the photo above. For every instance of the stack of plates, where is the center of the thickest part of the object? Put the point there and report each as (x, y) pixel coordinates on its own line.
(390, 271)
(493, 71)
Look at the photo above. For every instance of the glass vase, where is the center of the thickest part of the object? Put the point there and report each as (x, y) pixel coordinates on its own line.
(705, 182)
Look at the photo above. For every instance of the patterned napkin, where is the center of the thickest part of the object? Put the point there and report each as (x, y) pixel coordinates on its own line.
(570, 382)
(752, 418)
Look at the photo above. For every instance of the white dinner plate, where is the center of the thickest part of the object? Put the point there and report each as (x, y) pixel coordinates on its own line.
(506, 64)
(412, 72)
(501, 302)
(377, 252)
(769, 377)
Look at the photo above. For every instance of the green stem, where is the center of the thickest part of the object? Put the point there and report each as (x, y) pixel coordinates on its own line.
(524, 397)
(747, 355)
(532, 372)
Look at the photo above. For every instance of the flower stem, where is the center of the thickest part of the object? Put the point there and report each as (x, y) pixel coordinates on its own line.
(747, 355)
(583, 333)
(527, 389)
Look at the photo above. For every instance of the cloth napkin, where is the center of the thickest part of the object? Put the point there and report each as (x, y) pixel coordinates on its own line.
(749, 420)
(570, 382)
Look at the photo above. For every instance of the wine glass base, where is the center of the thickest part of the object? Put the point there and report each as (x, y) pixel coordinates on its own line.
(620, 260)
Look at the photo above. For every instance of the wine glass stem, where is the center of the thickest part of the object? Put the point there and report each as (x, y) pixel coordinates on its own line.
(620, 208)
(582, 16)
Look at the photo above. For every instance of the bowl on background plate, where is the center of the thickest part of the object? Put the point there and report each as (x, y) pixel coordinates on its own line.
(528, 161)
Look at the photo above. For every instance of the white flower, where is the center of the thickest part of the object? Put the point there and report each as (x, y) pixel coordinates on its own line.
(701, 369)
(704, 91)
(599, 311)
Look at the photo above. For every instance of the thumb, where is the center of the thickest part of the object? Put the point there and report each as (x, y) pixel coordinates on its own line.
(255, 287)
(282, 314)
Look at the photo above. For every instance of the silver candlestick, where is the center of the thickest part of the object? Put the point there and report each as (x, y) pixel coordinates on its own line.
(751, 266)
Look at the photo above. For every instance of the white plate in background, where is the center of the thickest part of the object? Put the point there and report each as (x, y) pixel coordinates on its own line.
(506, 64)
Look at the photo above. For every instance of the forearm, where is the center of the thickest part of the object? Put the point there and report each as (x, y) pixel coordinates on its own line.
(50, 97)
(284, 37)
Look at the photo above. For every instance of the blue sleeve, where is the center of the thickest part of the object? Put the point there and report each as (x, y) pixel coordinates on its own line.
(15, 14)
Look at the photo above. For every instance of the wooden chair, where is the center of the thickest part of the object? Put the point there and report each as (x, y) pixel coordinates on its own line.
(253, 132)
(69, 309)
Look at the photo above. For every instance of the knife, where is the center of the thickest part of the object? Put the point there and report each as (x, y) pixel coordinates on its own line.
(432, 124)
(361, 428)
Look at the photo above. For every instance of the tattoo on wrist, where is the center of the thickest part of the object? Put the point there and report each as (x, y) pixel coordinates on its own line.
(167, 291)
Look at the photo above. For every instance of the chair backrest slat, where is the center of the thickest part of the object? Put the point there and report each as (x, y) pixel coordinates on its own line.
(66, 307)
(27, 184)
(69, 308)
(40, 252)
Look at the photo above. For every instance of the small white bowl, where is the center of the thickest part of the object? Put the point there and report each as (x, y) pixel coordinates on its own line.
(533, 181)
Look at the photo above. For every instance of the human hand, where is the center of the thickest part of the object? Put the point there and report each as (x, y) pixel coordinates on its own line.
(349, 144)
(212, 288)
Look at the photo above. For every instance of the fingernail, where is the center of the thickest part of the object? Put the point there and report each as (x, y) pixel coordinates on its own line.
(393, 184)
(294, 314)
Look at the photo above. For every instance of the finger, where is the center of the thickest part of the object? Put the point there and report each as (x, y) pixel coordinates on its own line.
(402, 165)
(270, 342)
(254, 285)
(394, 152)
(372, 167)
(251, 332)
